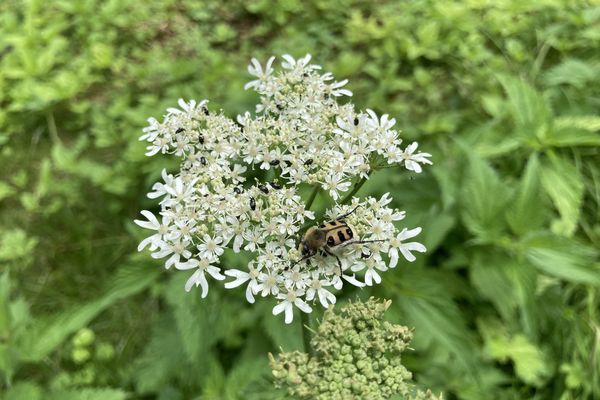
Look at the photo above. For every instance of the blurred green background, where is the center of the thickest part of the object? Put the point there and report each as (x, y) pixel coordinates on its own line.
(504, 94)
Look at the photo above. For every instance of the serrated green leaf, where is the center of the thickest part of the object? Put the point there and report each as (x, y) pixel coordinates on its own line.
(526, 212)
(489, 274)
(6, 190)
(24, 391)
(87, 394)
(531, 364)
(51, 331)
(528, 108)
(5, 320)
(425, 304)
(484, 199)
(564, 184)
(563, 258)
(193, 317)
(161, 359)
(573, 72)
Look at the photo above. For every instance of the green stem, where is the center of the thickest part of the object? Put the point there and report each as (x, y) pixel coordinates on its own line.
(305, 321)
(356, 188)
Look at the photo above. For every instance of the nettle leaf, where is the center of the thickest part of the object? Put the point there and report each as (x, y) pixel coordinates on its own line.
(24, 391)
(563, 258)
(427, 306)
(524, 277)
(572, 72)
(49, 332)
(529, 109)
(484, 199)
(563, 182)
(530, 363)
(161, 359)
(15, 244)
(490, 275)
(570, 131)
(87, 394)
(196, 318)
(526, 212)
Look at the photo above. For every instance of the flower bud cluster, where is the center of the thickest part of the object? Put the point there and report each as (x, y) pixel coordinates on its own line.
(357, 355)
(239, 183)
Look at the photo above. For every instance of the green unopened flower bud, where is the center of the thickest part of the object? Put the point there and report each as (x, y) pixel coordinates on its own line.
(80, 355)
(84, 338)
(105, 351)
(357, 356)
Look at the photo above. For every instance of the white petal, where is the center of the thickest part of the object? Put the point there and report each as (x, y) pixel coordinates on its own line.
(407, 234)
(240, 278)
(393, 257)
(289, 313)
(407, 254)
(278, 309)
(376, 277)
(352, 280)
(189, 264)
(368, 277)
(301, 304)
(249, 294)
(415, 246)
(215, 272)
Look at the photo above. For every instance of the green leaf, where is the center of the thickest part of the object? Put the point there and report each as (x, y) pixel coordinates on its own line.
(572, 72)
(524, 277)
(575, 131)
(563, 258)
(15, 244)
(5, 320)
(490, 275)
(24, 391)
(6, 190)
(425, 304)
(526, 212)
(87, 394)
(564, 184)
(528, 108)
(484, 199)
(161, 359)
(49, 332)
(531, 364)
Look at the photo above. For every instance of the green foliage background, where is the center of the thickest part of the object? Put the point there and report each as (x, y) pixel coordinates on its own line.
(504, 94)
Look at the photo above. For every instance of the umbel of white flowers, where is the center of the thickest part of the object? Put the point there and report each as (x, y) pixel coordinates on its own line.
(301, 137)
(357, 355)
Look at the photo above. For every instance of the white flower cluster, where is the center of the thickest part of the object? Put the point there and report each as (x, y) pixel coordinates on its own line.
(299, 137)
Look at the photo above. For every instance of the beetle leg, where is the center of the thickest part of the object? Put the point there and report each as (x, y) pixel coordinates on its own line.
(339, 262)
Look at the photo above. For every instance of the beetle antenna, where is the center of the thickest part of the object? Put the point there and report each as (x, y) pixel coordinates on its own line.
(348, 213)
(363, 242)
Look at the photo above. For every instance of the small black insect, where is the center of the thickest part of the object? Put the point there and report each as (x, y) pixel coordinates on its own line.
(252, 203)
(263, 188)
(274, 162)
(276, 185)
(205, 110)
(308, 162)
(179, 130)
(237, 190)
(203, 160)
(305, 74)
(355, 121)
(201, 139)
(279, 106)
